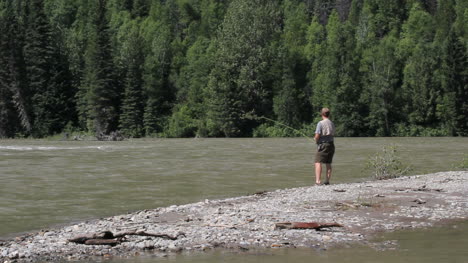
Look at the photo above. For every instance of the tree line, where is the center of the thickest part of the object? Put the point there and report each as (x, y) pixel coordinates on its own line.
(222, 68)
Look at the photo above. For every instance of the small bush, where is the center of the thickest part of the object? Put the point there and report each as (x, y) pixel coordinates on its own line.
(387, 164)
(276, 130)
(267, 130)
(404, 130)
(463, 163)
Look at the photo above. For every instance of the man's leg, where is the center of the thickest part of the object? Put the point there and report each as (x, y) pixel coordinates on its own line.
(329, 172)
(318, 172)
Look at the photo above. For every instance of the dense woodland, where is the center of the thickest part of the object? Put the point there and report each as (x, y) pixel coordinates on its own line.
(216, 68)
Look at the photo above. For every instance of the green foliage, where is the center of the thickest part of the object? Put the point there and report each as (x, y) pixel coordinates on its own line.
(100, 92)
(183, 68)
(463, 164)
(182, 123)
(387, 164)
(420, 89)
(268, 130)
(381, 85)
(240, 81)
(277, 130)
(402, 130)
(131, 117)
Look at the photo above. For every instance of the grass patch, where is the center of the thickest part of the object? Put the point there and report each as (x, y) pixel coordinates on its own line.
(463, 164)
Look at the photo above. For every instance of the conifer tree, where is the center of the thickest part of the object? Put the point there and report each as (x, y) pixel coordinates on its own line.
(47, 74)
(7, 122)
(381, 79)
(12, 73)
(419, 88)
(99, 91)
(240, 82)
(189, 114)
(291, 104)
(453, 106)
(131, 118)
(157, 87)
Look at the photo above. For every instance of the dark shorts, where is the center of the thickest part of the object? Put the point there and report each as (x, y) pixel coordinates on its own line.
(325, 152)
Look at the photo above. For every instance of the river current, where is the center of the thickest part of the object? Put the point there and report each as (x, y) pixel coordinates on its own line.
(46, 183)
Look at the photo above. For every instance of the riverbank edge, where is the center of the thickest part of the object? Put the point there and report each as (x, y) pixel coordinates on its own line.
(248, 222)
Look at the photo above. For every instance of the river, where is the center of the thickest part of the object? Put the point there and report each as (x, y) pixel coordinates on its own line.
(47, 183)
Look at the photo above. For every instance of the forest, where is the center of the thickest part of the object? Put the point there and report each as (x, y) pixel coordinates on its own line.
(233, 68)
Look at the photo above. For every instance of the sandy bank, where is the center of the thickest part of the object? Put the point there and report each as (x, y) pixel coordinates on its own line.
(249, 222)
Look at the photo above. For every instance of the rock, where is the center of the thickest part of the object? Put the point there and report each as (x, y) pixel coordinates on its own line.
(5, 253)
(419, 201)
(13, 255)
(173, 247)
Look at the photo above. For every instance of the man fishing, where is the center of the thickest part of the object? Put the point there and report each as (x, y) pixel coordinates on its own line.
(325, 147)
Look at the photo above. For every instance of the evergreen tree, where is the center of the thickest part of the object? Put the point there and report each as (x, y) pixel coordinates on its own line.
(419, 88)
(326, 79)
(12, 74)
(348, 112)
(453, 105)
(240, 82)
(131, 118)
(99, 91)
(212, 15)
(47, 74)
(157, 87)
(7, 113)
(140, 8)
(188, 118)
(291, 104)
(381, 81)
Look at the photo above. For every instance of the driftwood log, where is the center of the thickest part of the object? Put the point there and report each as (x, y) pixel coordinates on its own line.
(108, 242)
(305, 225)
(111, 239)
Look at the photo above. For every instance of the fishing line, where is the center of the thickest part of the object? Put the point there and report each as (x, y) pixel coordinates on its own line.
(252, 116)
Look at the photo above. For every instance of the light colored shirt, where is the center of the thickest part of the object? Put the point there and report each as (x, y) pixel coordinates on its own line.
(326, 130)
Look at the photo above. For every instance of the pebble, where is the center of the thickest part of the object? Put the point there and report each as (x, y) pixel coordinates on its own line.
(13, 255)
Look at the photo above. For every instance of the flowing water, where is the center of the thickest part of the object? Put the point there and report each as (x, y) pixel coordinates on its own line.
(47, 183)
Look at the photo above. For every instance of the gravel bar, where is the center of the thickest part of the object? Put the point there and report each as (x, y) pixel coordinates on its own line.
(248, 222)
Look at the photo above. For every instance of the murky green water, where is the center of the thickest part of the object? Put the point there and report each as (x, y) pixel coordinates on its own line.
(45, 183)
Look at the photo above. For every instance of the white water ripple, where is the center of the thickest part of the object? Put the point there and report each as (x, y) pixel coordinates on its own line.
(51, 148)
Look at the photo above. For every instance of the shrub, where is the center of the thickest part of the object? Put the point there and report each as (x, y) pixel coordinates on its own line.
(386, 164)
(463, 163)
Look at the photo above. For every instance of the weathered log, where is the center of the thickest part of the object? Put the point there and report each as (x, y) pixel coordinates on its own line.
(109, 242)
(108, 238)
(148, 234)
(82, 239)
(305, 225)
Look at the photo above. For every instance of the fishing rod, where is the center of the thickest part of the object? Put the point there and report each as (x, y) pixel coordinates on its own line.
(251, 116)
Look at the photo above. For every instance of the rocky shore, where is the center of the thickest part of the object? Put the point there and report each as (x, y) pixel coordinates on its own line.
(249, 222)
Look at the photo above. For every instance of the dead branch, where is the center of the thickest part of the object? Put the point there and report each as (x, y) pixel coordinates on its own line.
(108, 238)
(147, 234)
(82, 239)
(108, 242)
(305, 225)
